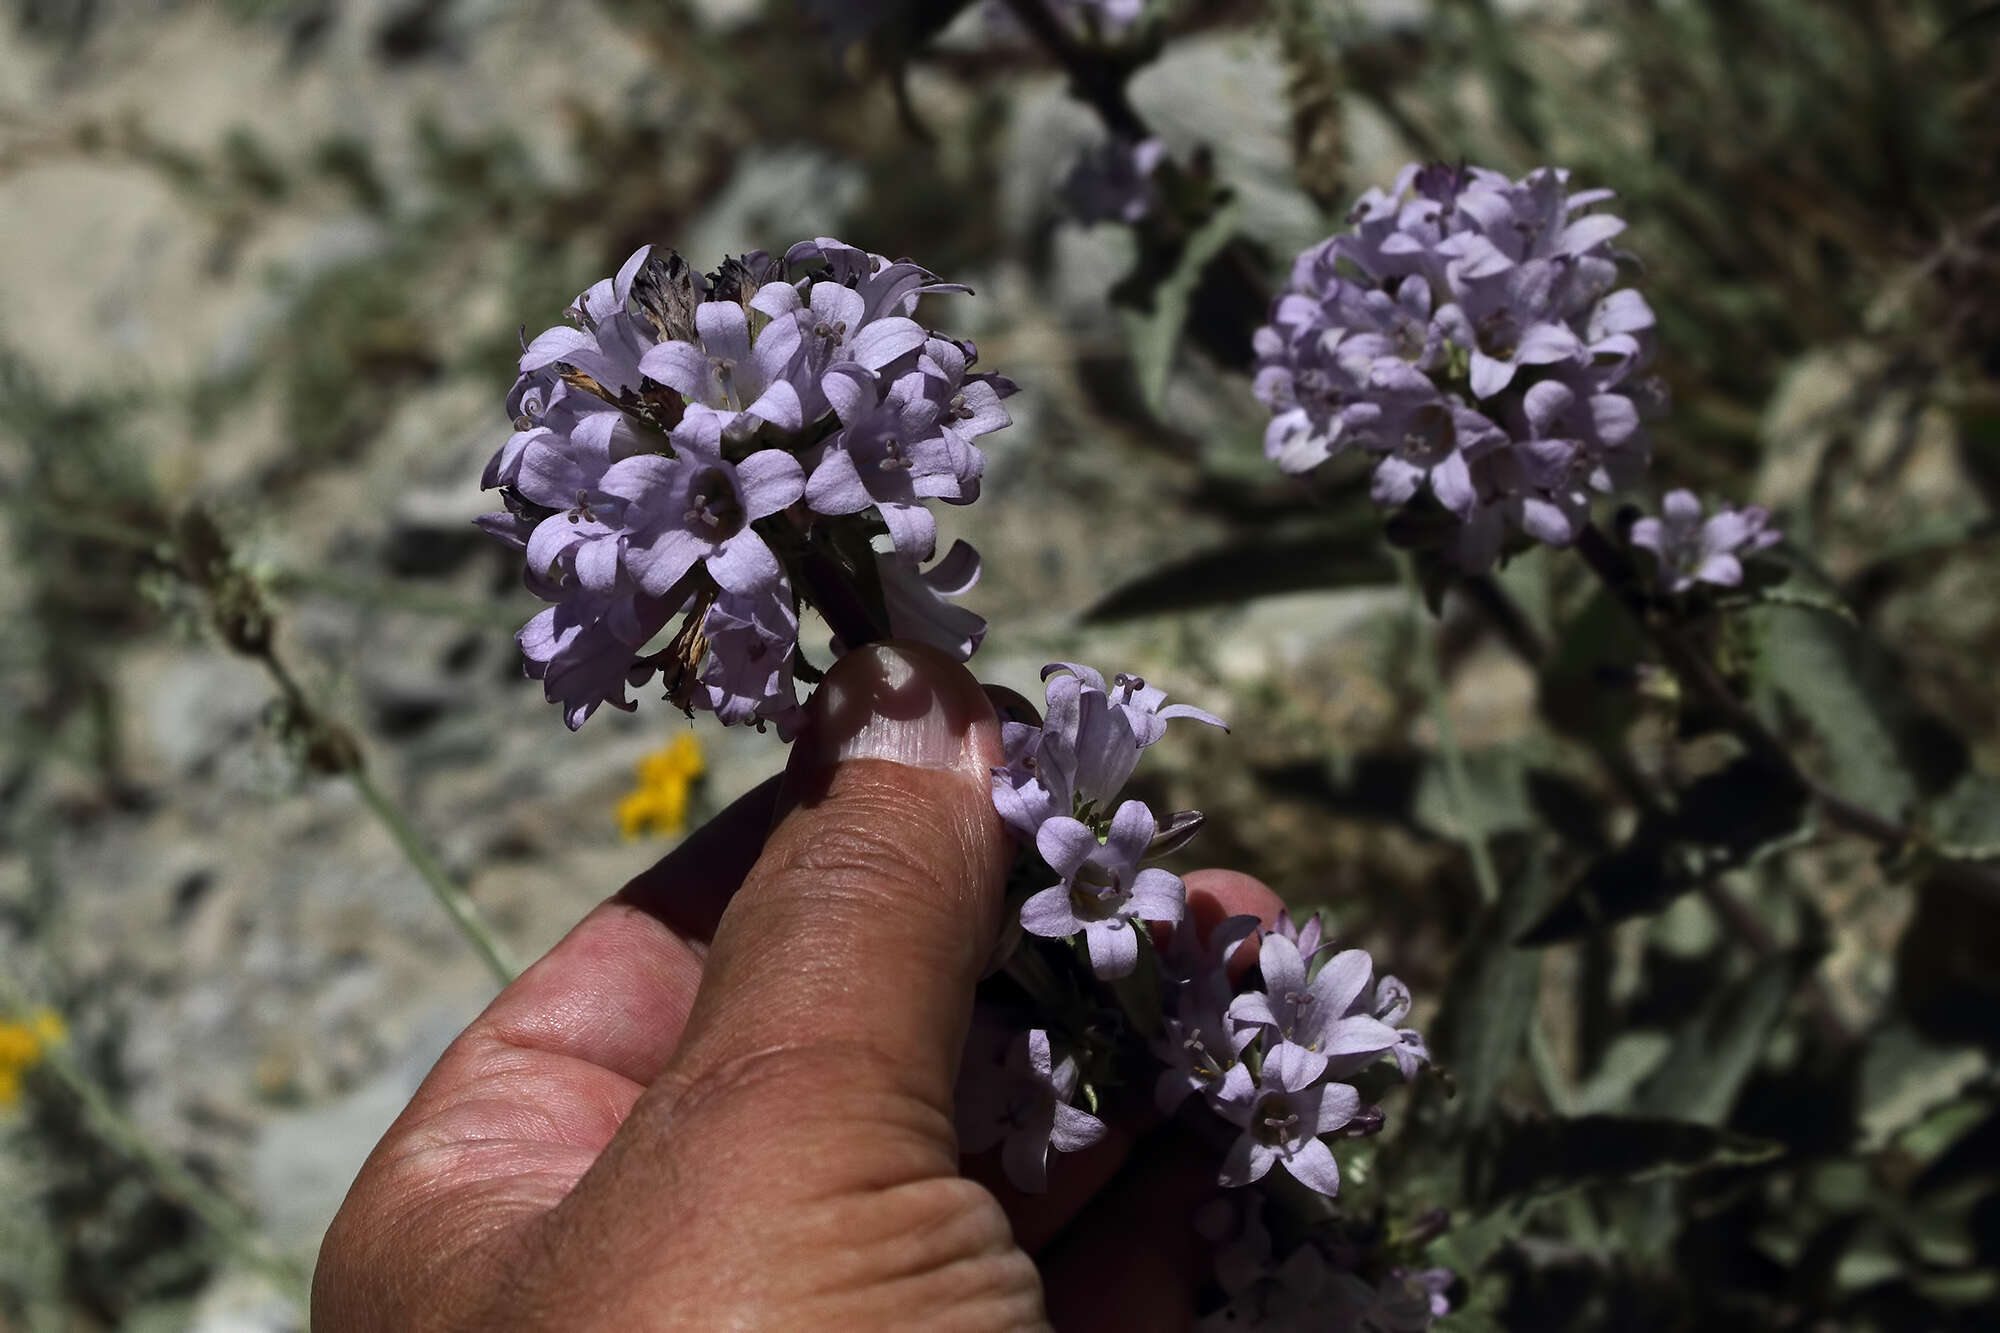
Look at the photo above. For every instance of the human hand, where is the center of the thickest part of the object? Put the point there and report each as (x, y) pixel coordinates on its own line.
(724, 1100)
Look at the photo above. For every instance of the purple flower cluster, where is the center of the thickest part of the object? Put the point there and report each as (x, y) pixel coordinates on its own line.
(684, 442)
(1693, 550)
(1273, 1061)
(1113, 182)
(1467, 332)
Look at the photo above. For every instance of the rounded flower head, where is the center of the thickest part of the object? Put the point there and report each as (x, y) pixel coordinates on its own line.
(1465, 333)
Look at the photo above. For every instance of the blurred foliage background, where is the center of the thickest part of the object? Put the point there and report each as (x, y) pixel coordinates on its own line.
(1710, 1060)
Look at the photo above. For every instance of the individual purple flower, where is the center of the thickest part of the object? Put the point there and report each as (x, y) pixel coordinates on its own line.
(830, 333)
(697, 508)
(1113, 182)
(1023, 1106)
(1087, 746)
(1691, 550)
(583, 537)
(1389, 1003)
(585, 650)
(747, 677)
(1309, 937)
(919, 605)
(746, 383)
(1102, 894)
(893, 454)
(1200, 1044)
(605, 343)
(1282, 1113)
(1313, 1016)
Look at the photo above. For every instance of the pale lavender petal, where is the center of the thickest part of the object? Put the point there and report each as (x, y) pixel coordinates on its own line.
(1049, 914)
(1344, 977)
(1114, 947)
(1313, 1165)
(767, 481)
(835, 487)
(680, 366)
(1338, 1104)
(1248, 1161)
(1075, 1129)
(724, 330)
(883, 341)
(1065, 843)
(744, 564)
(1158, 895)
(1395, 481)
(1283, 968)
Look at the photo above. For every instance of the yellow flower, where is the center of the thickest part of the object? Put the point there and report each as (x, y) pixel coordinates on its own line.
(659, 803)
(22, 1046)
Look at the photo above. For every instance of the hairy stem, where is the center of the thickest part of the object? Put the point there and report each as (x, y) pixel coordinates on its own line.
(456, 902)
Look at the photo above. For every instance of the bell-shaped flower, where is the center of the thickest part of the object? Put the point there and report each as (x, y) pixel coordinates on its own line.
(697, 508)
(745, 383)
(1103, 894)
(1282, 1114)
(1313, 1015)
(1023, 1105)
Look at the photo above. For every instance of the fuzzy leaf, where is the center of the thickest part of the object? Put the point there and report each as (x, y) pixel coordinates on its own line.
(1714, 1053)
(1527, 1158)
(1839, 683)
(1723, 820)
(1342, 556)
(1483, 1025)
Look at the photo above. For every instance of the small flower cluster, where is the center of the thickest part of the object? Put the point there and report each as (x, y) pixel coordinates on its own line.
(1691, 550)
(1273, 1062)
(1468, 332)
(725, 448)
(1317, 1285)
(659, 803)
(1113, 182)
(23, 1045)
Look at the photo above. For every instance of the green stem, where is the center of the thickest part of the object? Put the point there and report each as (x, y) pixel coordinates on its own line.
(232, 1225)
(1431, 678)
(456, 903)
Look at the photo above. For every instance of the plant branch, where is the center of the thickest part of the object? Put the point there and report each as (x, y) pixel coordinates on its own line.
(1696, 672)
(1094, 80)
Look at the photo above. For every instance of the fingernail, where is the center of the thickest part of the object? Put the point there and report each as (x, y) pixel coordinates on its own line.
(896, 702)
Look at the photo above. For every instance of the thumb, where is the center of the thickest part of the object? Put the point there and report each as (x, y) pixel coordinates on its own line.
(874, 908)
(794, 1166)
